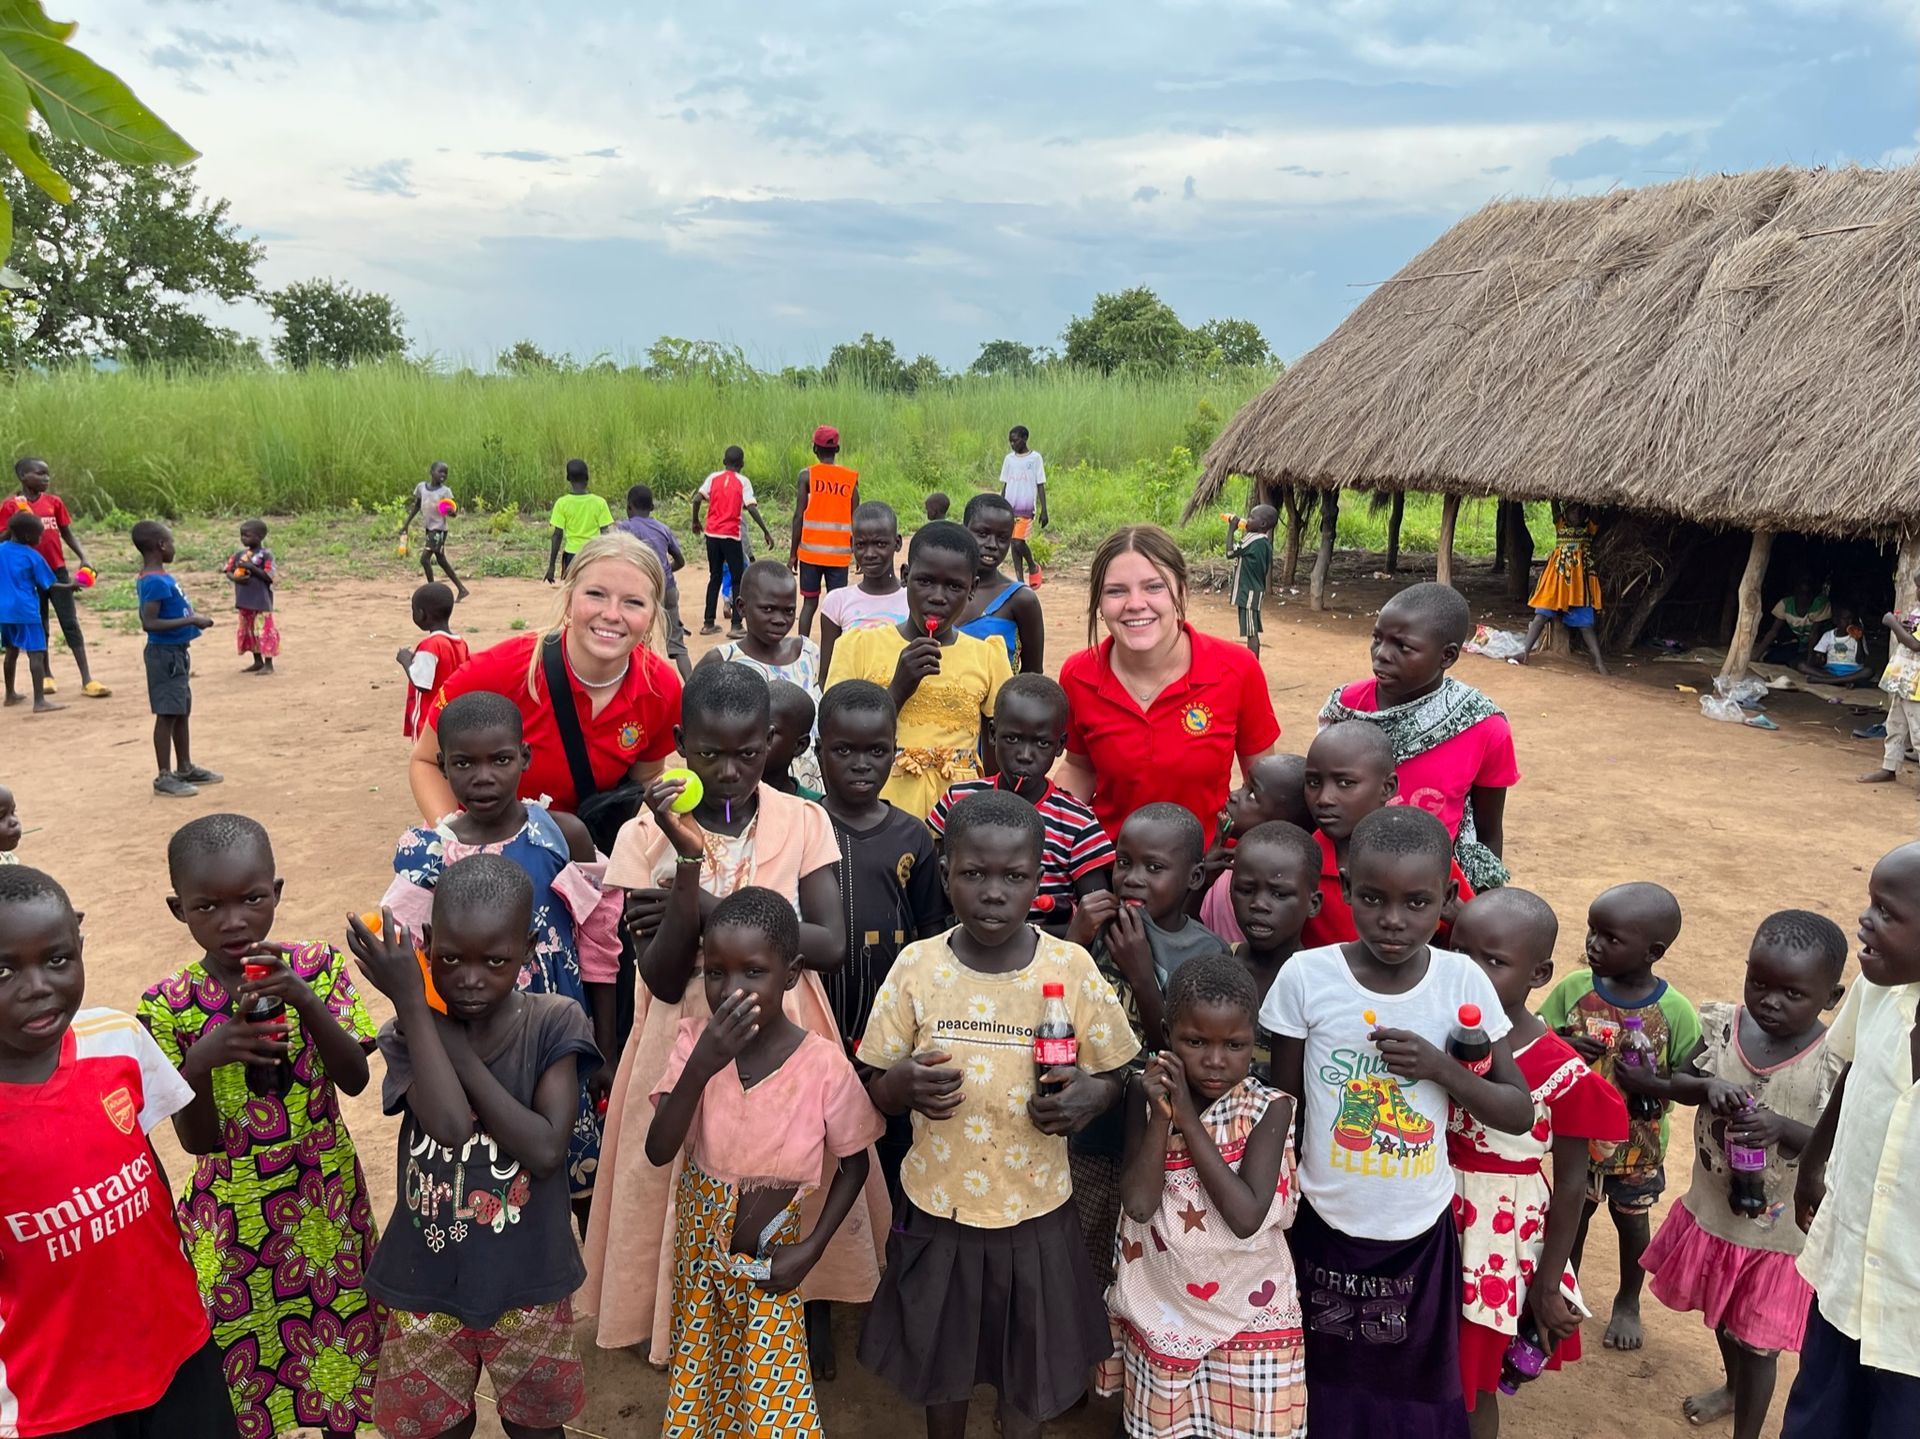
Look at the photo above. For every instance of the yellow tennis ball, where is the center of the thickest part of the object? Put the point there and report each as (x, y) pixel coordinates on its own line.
(691, 795)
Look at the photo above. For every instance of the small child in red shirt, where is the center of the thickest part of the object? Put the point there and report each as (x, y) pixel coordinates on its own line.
(1349, 774)
(429, 663)
(88, 1223)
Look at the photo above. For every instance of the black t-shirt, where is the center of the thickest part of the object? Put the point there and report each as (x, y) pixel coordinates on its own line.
(890, 887)
(473, 1234)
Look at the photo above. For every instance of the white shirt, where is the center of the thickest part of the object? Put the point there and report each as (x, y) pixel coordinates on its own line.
(1021, 477)
(1861, 1258)
(1373, 1153)
(424, 669)
(1838, 648)
(430, 496)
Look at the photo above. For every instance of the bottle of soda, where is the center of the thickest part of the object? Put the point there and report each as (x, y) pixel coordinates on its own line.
(1526, 1356)
(1054, 1045)
(1468, 1042)
(1747, 1190)
(1637, 1049)
(276, 1079)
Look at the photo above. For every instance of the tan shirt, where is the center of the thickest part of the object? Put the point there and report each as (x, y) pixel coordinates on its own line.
(986, 1165)
(1860, 1256)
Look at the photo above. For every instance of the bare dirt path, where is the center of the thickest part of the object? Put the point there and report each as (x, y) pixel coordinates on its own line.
(1624, 780)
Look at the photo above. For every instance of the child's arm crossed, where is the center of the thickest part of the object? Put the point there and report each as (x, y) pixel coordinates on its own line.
(1244, 1199)
(537, 1137)
(1500, 1100)
(439, 1103)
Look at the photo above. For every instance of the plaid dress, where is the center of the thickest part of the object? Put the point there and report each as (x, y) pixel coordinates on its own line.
(1208, 1324)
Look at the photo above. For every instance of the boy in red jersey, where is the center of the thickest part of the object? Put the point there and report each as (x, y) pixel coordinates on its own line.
(85, 1216)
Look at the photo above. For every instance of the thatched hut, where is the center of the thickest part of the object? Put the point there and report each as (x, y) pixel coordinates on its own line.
(1737, 352)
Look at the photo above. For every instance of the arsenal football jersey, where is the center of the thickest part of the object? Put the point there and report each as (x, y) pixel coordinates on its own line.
(98, 1305)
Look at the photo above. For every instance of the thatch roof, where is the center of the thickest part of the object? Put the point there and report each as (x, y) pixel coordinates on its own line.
(1738, 350)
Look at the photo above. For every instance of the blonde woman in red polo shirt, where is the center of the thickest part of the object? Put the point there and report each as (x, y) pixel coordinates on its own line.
(1157, 710)
(626, 695)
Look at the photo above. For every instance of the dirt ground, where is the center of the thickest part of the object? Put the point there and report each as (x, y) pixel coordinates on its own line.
(1623, 780)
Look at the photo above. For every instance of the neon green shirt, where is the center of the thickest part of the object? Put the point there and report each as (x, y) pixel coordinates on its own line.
(579, 518)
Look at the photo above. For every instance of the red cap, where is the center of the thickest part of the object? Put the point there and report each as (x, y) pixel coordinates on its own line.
(826, 438)
(1470, 1016)
(253, 970)
(1044, 903)
(1054, 990)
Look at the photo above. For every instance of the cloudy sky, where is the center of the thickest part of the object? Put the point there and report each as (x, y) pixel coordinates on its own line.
(591, 175)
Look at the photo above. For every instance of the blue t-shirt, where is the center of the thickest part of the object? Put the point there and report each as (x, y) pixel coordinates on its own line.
(23, 575)
(173, 606)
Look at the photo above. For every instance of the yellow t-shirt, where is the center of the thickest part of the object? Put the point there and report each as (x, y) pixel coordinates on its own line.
(986, 1165)
(939, 732)
(579, 518)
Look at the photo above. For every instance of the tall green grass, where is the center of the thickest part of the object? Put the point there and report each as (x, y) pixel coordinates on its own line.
(136, 442)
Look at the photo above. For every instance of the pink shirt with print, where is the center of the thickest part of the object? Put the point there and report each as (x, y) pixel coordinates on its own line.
(1440, 780)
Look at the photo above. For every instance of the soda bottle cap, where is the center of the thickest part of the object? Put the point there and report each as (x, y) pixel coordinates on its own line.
(256, 971)
(1044, 903)
(1633, 1021)
(1053, 991)
(1470, 1016)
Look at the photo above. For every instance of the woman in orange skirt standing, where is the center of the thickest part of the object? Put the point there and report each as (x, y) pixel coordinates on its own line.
(1569, 591)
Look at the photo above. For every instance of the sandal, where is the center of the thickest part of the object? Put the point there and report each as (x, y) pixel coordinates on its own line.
(94, 690)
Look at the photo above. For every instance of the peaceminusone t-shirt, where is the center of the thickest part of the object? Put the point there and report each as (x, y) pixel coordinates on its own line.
(473, 1234)
(986, 1165)
(99, 1307)
(1373, 1153)
(579, 518)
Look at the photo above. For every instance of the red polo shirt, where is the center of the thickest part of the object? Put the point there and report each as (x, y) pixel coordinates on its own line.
(1334, 923)
(637, 723)
(1182, 747)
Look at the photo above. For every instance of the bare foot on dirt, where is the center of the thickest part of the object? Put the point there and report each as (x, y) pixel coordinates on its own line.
(47, 707)
(1623, 1330)
(1705, 1408)
(16, 699)
(1877, 776)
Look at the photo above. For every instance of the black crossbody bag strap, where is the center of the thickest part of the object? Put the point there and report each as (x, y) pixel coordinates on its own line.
(553, 669)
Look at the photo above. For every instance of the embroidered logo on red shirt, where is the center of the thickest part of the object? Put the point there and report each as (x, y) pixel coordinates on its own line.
(629, 736)
(120, 1109)
(1196, 719)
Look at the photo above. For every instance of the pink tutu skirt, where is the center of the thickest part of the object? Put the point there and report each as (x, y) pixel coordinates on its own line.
(1757, 1295)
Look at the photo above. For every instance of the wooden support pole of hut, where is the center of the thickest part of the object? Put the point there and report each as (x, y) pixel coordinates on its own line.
(1323, 558)
(1290, 560)
(1747, 625)
(1519, 551)
(1394, 516)
(1449, 517)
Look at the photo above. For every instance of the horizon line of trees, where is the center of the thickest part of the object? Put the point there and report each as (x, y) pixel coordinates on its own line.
(124, 271)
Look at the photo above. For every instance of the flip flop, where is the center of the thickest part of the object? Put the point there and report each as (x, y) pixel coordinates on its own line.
(94, 690)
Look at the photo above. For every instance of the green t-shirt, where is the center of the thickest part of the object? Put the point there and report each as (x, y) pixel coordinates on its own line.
(579, 518)
(1255, 554)
(1578, 1003)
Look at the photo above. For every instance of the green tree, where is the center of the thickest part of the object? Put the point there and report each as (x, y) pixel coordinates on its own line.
(924, 373)
(869, 362)
(1132, 330)
(1003, 357)
(523, 357)
(114, 270)
(326, 323)
(671, 358)
(1233, 344)
(77, 100)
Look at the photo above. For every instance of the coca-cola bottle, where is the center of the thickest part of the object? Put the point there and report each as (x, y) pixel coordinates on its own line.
(1054, 1045)
(273, 1079)
(1747, 1188)
(1468, 1042)
(1526, 1356)
(1637, 1050)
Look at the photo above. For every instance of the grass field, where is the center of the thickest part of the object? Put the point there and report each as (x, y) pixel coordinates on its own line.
(350, 444)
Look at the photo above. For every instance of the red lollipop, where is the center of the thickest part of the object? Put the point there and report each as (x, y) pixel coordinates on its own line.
(1044, 903)
(933, 626)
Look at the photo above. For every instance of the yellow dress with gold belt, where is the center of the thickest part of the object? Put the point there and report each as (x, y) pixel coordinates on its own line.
(939, 736)
(1568, 581)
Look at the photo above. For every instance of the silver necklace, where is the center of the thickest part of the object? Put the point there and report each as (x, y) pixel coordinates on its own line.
(605, 684)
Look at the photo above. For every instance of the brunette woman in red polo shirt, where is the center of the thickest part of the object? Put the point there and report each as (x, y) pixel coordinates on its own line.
(1157, 710)
(626, 695)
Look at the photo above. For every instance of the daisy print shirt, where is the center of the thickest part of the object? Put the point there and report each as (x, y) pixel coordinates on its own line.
(986, 1165)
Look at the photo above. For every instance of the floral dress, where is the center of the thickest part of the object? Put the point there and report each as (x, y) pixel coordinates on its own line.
(805, 672)
(1502, 1193)
(564, 901)
(277, 1222)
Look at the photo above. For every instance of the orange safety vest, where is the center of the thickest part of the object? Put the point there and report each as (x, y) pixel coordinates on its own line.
(826, 529)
